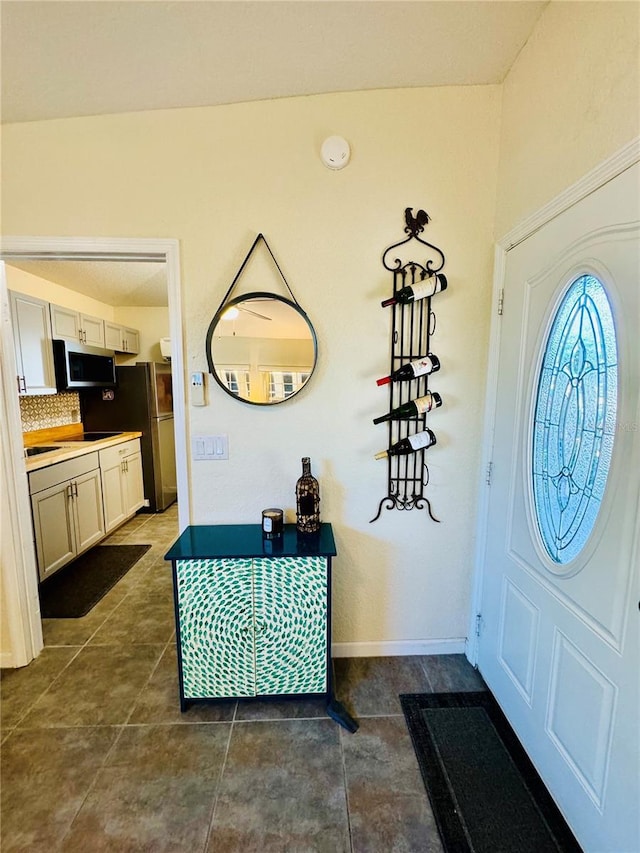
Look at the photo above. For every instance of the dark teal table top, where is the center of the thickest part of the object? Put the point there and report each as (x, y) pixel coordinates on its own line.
(199, 541)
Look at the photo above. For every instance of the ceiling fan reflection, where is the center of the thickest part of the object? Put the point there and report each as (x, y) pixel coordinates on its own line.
(234, 312)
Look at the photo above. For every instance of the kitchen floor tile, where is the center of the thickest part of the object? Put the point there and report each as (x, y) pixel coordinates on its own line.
(21, 688)
(281, 709)
(371, 686)
(99, 687)
(46, 775)
(155, 793)
(451, 674)
(159, 701)
(156, 580)
(282, 790)
(388, 806)
(76, 632)
(138, 620)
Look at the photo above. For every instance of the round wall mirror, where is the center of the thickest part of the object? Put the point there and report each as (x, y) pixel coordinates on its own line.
(261, 348)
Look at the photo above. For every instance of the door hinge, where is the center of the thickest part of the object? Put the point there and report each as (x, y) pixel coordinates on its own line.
(489, 473)
(478, 624)
(501, 303)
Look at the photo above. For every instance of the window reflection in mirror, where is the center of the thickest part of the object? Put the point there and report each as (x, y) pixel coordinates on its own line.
(261, 348)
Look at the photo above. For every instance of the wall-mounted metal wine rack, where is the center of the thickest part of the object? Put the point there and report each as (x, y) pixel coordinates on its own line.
(413, 327)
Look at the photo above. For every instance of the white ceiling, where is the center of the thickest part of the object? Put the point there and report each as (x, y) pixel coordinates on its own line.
(61, 59)
(79, 58)
(119, 283)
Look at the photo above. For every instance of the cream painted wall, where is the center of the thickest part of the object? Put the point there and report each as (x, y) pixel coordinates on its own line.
(571, 99)
(213, 178)
(152, 323)
(33, 285)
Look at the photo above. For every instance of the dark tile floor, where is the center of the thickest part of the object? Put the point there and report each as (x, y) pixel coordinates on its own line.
(96, 755)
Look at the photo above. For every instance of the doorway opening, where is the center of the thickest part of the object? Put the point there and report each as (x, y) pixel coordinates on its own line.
(102, 256)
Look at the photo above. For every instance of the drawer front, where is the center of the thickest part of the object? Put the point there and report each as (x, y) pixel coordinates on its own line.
(290, 595)
(216, 627)
(111, 456)
(44, 478)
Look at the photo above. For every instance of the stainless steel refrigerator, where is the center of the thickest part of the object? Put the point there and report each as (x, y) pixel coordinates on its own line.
(142, 400)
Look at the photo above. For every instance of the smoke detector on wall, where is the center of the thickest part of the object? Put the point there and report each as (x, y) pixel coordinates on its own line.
(335, 152)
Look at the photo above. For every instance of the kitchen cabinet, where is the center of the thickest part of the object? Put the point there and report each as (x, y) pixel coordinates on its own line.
(122, 485)
(32, 339)
(253, 615)
(66, 506)
(71, 325)
(121, 338)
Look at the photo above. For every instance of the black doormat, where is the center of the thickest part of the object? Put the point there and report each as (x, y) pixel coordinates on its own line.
(80, 585)
(485, 793)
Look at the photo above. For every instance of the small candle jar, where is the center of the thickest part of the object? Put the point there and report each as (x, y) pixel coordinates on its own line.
(272, 523)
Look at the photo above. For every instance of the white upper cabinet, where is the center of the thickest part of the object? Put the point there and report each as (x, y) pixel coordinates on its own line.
(32, 339)
(71, 325)
(92, 330)
(121, 338)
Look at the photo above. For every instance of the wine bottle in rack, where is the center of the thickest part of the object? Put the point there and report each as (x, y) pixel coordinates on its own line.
(421, 367)
(413, 408)
(418, 290)
(419, 441)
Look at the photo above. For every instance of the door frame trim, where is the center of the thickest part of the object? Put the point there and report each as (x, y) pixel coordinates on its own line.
(21, 606)
(606, 171)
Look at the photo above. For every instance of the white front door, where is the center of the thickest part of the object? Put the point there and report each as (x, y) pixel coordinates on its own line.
(559, 641)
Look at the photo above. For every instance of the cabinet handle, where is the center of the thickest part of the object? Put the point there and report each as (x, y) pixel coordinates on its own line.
(75, 489)
(19, 385)
(69, 492)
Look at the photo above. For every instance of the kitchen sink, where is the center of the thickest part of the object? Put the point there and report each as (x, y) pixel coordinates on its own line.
(34, 451)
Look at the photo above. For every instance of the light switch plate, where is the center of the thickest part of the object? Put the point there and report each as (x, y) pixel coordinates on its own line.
(210, 447)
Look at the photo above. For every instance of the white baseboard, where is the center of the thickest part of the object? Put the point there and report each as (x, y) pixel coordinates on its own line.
(398, 648)
(6, 660)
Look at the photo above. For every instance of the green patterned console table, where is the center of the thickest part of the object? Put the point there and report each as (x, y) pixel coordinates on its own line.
(253, 616)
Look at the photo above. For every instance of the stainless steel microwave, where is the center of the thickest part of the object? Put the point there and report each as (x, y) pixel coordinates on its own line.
(80, 366)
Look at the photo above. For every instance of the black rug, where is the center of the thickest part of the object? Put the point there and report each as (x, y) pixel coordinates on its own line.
(80, 585)
(485, 793)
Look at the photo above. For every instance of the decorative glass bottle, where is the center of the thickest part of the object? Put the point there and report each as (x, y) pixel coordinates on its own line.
(307, 500)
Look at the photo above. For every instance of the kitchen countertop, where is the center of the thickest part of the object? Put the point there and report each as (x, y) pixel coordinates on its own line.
(66, 449)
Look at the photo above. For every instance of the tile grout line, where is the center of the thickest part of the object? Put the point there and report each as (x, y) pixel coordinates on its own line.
(341, 736)
(95, 777)
(214, 806)
(49, 686)
(426, 675)
(146, 683)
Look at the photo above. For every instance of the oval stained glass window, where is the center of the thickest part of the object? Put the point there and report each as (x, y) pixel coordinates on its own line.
(574, 419)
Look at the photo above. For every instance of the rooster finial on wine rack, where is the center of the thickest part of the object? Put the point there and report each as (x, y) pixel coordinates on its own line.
(415, 224)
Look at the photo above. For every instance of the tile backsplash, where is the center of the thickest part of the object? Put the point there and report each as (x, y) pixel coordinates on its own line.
(52, 410)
